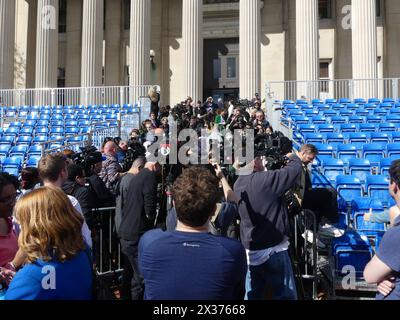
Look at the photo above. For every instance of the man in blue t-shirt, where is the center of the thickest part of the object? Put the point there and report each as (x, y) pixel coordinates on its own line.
(190, 263)
(384, 268)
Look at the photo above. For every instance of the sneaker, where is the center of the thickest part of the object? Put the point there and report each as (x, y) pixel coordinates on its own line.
(309, 236)
(330, 231)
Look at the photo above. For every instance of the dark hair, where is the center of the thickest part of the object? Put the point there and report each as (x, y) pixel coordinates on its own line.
(394, 172)
(75, 171)
(309, 148)
(51, 166)
(195, 193)
(29, 178)
(7, 179)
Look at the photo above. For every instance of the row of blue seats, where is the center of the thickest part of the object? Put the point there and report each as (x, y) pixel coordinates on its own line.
(341, 119)
(28, 141)
(36, 117)
(361, 168)
(347, 128)
(51, 123)
(356, 138)
(360, 101)
(67, 107)
(340, 110)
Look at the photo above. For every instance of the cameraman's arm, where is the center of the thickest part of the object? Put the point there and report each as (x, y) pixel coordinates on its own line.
(228, 192)
(280, 181)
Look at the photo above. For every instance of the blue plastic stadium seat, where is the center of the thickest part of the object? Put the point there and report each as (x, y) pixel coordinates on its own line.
(318, 180)
(360, 101)
(388, 127)
(360, 168)
(57, 130)
(319, 120)
(322, 107)
(394, 111)
(346, 113)
(15, 124)
(324, 128)
(374, 152)
(304, 128)
(4, 150)
(356, 119)
(347, 151)
(311, 138)
(377, 187)
(330, 101)
(12, 131)
(393, 118)
(374, 119)
(393, 150)
(358, 138)
(44, 117)
(35, 150)
(380, 112)
(329, 113)
(362, 112)
(374, 101)
(288, 102)
(24, 140)
(26, 131)
(338, 120)
(383, 137)
(317, 101)
(395, 136)
(311, 113)
(389, 100)
(29, 123)
(352, 249)
(40, 139)
(18, 151)
(7, 140)
(41, 131)
(348, 127)
(301, 102)
(349, 187)
(57, 123)
(333, 168)
(367, 127)
(334, 138)
(385, 165)
(42, 123)
(344, 101)
(72, 124)
(72, 130)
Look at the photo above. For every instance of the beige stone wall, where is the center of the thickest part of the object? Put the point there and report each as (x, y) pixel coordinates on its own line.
(278, 42)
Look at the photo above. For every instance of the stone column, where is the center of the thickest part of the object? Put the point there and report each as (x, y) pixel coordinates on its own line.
(92, 49)
(7, 45)
(140, 33)
(47, 44)
(307, 48)
(192, 34)
(364, 47)
(250, 48)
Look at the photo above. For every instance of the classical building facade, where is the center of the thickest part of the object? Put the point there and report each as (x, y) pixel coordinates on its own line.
(195, 47)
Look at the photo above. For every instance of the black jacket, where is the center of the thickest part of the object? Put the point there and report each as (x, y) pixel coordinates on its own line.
(136, 204)
(103, 197)
(85, 197)
(263, 208)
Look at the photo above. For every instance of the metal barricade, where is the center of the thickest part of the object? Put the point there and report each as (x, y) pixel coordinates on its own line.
(106, 245)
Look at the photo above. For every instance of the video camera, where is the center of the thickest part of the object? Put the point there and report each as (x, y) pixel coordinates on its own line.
(274, 147)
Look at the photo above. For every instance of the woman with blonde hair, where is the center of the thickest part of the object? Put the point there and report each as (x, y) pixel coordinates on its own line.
(58, 264)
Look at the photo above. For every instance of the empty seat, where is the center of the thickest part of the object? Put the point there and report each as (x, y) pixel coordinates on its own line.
(352, 106)
(24, 141)
(303, 128)
(360, 101)
(334, 138)
(72, 124)
(311, 138)
(324, 128)
(333, 168)
(362, 112)
(26, 131)
(380, 137)
(385, 165)
(377, 187)
(356, 119)
(57, 123)
(386, 106)
(33, 162)
(395, 136)
(311, 113)
(330, 101)
(329, 113)
(393, 118)
(35, 150)
(344, 101)
(72, 130)
(388, 127)
(346, 113)
(367, 127)
(42, 131)
(380, 112)
(393, 149)
(347, 151)
(358, 138)
(348, 127)
(374, 101)
(15, 124)
(7, 140)
(338, 120)
(12, 165)
(374, 152)
(349, 187)
(317, 101)
(18, 151)
(40, 139)
(360, 168)
(394, 111)
(319, 120)
(374, 119)
(390, 101)
(29, 123)
(4, 150)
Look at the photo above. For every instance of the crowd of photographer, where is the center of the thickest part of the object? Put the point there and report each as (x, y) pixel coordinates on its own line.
(198, 232)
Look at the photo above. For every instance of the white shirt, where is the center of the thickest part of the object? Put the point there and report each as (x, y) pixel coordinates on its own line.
(87, 235)
(258, 257)
(230, 109)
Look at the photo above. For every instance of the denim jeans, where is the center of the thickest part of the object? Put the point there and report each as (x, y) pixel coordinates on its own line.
(276, 274)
